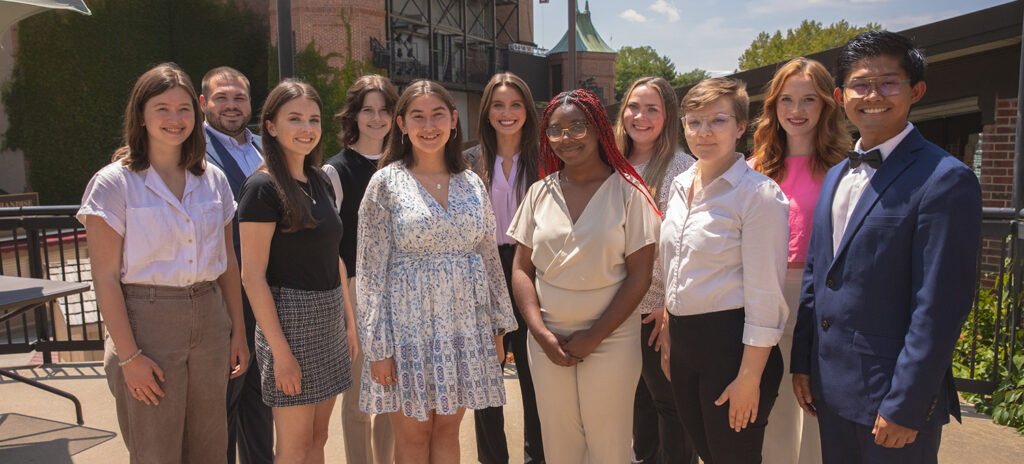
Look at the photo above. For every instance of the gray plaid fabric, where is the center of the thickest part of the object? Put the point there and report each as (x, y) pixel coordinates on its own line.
(313, 322)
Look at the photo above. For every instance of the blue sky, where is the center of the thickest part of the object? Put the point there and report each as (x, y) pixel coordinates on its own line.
(711, 35)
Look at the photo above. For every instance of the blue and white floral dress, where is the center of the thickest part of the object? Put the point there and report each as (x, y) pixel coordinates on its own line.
(431, 294)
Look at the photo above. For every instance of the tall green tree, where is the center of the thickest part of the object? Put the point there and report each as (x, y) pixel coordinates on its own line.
(809, 37)
(636, 62)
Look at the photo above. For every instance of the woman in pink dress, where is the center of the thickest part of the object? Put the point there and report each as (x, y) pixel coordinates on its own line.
(800, 135)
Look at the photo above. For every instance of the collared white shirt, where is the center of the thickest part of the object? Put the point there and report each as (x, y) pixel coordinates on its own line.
(166, 241)
(504, 199)
(245, 154)
(728, 250)
(852, 184)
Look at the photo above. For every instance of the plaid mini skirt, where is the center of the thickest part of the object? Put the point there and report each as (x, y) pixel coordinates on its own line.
(313, 322)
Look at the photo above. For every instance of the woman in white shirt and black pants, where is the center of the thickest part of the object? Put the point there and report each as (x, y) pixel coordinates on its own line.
(166, 278)
(724, 243)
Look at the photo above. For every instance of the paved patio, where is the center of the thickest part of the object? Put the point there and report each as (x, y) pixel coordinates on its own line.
(38, 427)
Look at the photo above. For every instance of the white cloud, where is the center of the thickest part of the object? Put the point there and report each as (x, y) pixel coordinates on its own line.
(632, 16)
(869, 1)
(906, 22)
(763, 7)
(663, 7)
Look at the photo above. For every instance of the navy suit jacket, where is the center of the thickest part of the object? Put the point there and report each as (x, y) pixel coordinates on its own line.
(878, 320)
(235, 180)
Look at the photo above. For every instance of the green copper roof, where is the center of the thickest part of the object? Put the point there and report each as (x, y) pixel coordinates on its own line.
(587, 38)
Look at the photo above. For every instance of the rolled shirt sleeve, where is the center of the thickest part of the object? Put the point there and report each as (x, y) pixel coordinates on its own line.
(764, 249)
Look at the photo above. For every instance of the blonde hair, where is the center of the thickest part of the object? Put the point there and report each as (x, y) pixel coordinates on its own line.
(668, 140)
(709, 90)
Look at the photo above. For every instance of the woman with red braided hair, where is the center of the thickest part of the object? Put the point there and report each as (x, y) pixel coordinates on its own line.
(586, 234)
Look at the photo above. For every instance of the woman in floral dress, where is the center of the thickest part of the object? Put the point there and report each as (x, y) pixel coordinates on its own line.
(433, 304)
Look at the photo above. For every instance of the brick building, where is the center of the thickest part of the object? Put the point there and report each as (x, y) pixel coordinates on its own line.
(594, 59)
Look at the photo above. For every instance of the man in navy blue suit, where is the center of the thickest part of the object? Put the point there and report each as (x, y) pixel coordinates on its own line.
(890, 271)
(233, 149)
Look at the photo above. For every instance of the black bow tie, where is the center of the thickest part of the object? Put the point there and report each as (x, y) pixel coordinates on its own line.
(872, 158)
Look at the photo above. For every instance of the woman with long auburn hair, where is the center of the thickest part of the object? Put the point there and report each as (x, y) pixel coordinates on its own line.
(507, 161)
(433, 304)
(586, 235)
(647, 132)
(166, 278)
(290, 234)
(800, 135)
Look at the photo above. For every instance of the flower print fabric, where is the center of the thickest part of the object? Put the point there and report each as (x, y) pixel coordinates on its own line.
(431, 294)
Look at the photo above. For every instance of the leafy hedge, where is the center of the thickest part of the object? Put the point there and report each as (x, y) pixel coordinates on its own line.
(73, 75)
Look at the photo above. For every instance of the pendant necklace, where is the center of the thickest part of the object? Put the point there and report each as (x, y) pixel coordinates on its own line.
(307, 193)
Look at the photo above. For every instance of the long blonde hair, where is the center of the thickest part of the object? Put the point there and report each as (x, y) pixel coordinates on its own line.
(667, 143)
(831, 139)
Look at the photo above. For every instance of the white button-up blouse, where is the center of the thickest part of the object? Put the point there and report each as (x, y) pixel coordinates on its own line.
(166, 241)
(728, 250)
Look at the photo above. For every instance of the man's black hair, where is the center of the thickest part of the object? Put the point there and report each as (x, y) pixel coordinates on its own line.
(878, 43)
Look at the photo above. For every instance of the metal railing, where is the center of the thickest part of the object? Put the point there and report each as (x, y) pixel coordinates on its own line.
(990, 336)
(47, 242)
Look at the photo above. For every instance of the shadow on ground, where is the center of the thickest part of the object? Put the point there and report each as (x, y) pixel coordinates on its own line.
(27, 439)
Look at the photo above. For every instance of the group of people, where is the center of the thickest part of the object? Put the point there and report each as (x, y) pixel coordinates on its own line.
(652, 296)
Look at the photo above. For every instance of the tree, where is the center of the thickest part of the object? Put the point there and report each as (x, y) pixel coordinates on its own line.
(636, 62)
(689, 78)
(810, 37)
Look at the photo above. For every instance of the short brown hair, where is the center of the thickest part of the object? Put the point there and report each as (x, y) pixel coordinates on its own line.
(135, 151)
(354, 98)
(709, 90)
(224, 72)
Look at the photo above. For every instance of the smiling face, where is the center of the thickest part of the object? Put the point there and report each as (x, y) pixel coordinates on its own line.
(879, 117)
(708, 142)
(573, 152)
(644, 116)
(228, 108)
(429, 123)
(374, 118)
(799, 106)
(296, 126)
(169, 118)
(507, 112)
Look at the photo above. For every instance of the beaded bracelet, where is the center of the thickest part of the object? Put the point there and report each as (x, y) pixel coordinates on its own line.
(130, 359)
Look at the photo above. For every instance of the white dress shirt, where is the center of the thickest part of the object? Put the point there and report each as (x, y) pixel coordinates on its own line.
(739, 222)
(166, 241)
(851, 186)
(245, 154)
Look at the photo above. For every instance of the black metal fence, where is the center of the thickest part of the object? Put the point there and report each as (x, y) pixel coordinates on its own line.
(48, 242)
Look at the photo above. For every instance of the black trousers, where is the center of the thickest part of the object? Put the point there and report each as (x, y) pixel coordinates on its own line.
(491, 445)
(658, 435)
(706, 353)
(250, 421)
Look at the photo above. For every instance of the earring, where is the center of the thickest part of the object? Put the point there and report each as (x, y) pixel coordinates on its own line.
(403, 139)
(455, 131)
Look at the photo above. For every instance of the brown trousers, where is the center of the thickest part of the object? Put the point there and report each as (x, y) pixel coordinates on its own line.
(187, 332)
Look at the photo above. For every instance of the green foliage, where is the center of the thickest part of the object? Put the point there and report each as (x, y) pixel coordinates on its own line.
(330, 82)
(689, 78)
(810, 37)
(636, 62)
(73, 75)
(1006, 404)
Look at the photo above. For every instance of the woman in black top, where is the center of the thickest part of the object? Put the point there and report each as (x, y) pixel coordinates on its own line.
(290, 232)
(365, 121)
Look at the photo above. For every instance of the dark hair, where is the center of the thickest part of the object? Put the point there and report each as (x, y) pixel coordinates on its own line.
(877, 43)
(831, 140)
(223, 72)
(668, 140)
(398, 150)
(591, 106)
(354, 98)
(529, 151)
(135, 151)
(296, 214)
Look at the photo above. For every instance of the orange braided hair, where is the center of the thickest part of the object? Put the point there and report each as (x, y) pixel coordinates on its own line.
(587, 102)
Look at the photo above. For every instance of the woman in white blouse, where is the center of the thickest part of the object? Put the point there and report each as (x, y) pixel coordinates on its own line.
(724, 243)
(165, 275)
